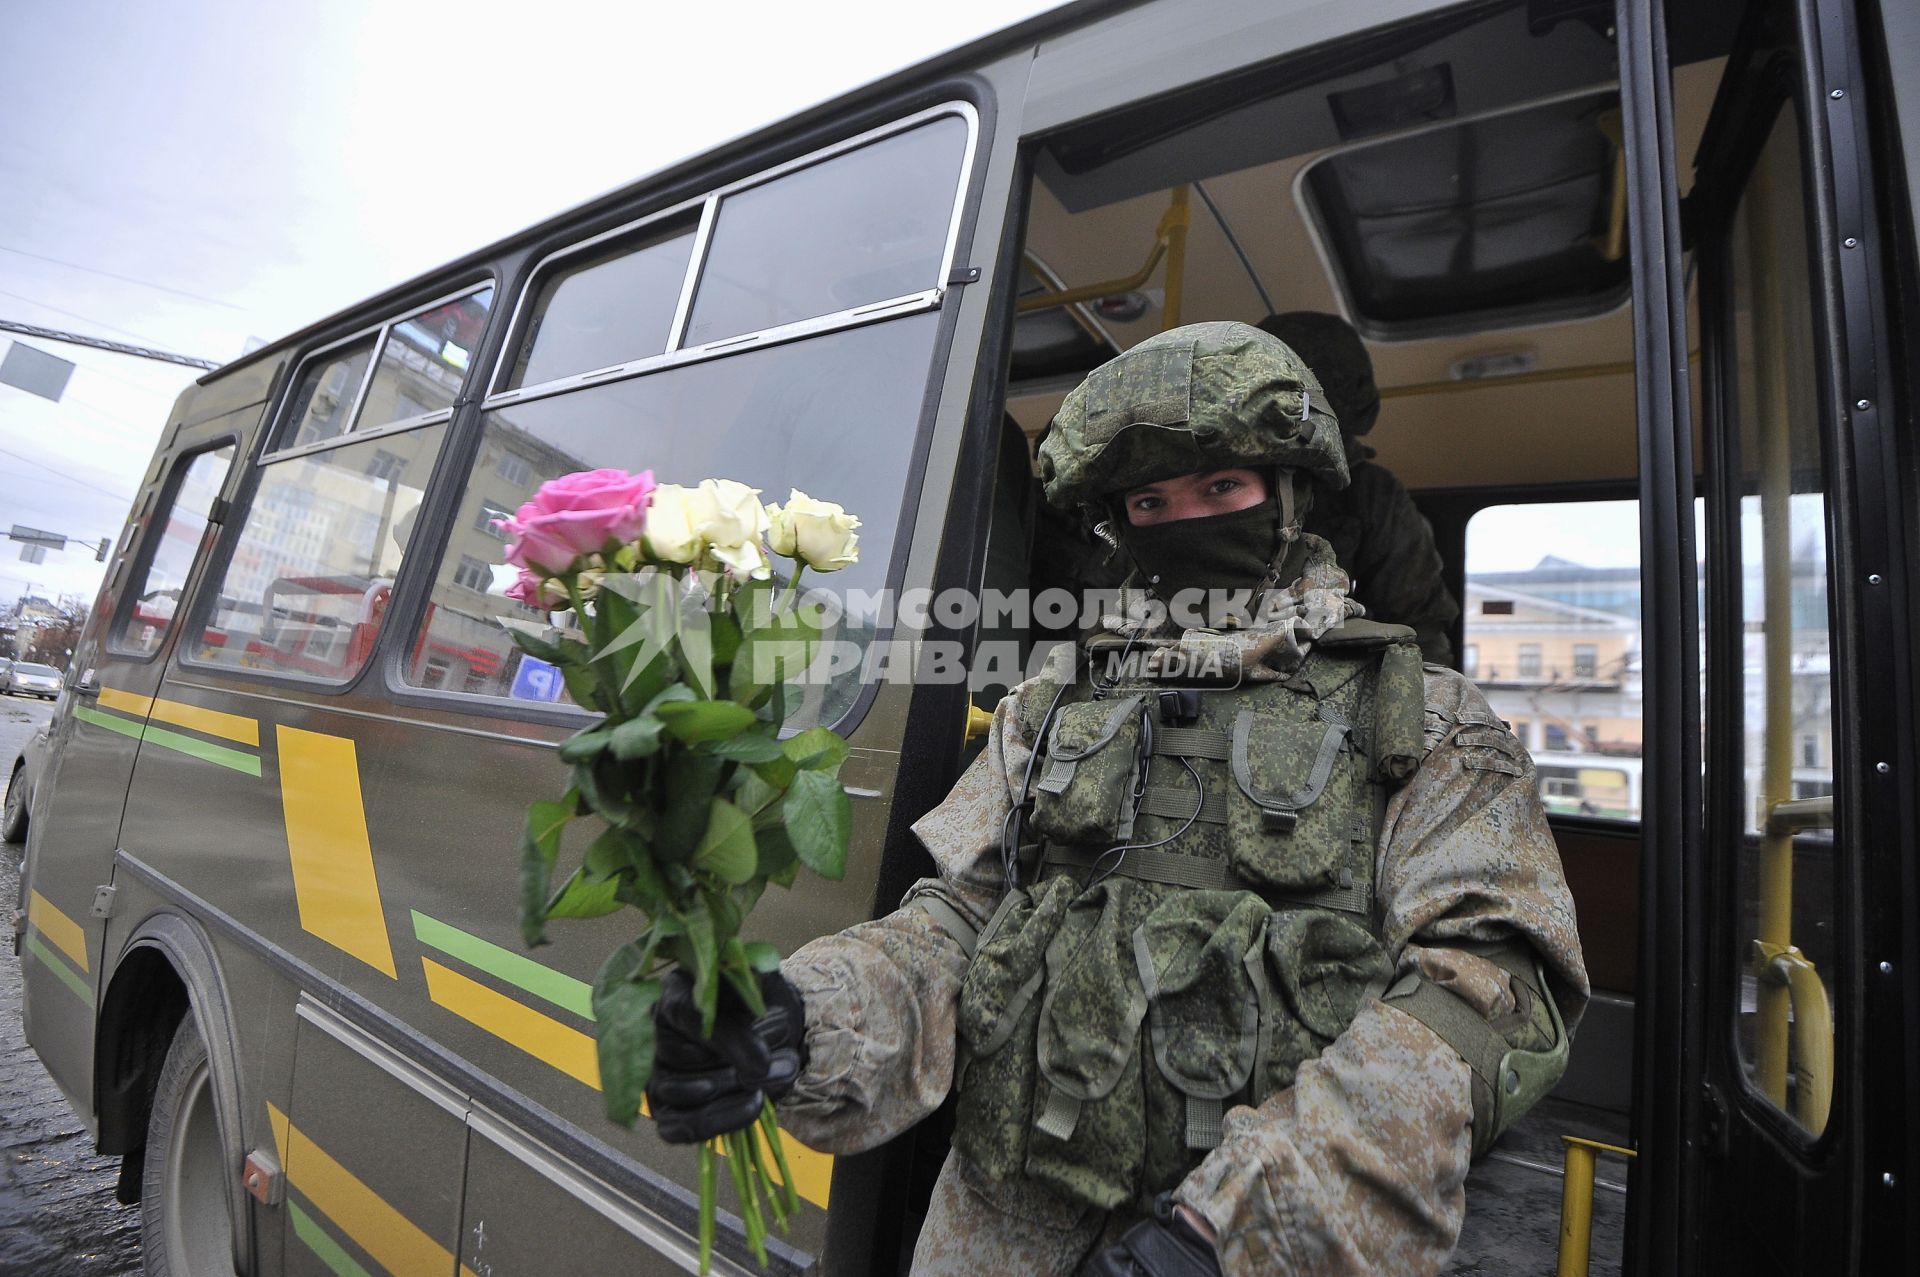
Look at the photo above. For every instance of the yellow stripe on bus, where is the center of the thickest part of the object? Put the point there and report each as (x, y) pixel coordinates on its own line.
(574, 1053)
(210, 721)
(66, 934)
(333, 877)
(125, 702)
(395, 1242)
(541, 1036)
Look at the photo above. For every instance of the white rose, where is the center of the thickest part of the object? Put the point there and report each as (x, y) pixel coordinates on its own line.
(670, 534)
(747, 559)
(819, 532)
(728, 513)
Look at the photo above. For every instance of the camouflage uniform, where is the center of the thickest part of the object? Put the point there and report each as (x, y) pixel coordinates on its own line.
(1356, 1163)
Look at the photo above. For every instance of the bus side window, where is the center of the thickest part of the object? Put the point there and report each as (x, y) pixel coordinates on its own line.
(306, 588)
(831, 410)
(153, 595)
(1552, 636)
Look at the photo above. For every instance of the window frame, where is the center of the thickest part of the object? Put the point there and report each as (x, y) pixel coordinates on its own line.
(675, 355)
(150, 545)
(379, 331)
(246, 488)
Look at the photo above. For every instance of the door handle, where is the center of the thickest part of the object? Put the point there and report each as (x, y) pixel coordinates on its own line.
(87, 686)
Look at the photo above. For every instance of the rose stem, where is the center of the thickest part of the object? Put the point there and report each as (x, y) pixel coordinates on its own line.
(764, 1180)
(709, 1188)
(772, 1127)
(756, 1229)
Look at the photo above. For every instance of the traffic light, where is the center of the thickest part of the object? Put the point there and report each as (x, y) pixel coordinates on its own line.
(100, 555)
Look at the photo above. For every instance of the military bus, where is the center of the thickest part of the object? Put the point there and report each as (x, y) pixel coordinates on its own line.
(1648, 267)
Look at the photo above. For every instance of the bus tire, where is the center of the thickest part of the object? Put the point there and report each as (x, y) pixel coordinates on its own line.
(13, 820)
(185, 1230)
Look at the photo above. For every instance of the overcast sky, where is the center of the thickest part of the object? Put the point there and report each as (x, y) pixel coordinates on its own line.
(194, 175)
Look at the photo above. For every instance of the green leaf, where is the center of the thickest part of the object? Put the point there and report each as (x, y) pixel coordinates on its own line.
(689, 785)
(695, 721)
(615, 851)
(753, 795)
(762, 957)
(635, 738)
(748, 747)
(816, 749)
(775, 851)
(737, 967)
(776, 772)
(582, 897)
(587, 744)
(623, 1032)
(726, 850)
(539, 848)
(694, 630)
(704, 949)
(819, 821)
(726, 638)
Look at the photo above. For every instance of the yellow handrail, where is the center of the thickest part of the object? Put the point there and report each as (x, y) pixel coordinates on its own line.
(1576, 1203)
(1169, 241)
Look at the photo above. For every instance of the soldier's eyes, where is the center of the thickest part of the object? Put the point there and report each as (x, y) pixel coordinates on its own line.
(1144, 504)
(1220, 487)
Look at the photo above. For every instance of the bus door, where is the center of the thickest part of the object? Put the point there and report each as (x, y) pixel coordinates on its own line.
(109, 709)
(1771, 1074)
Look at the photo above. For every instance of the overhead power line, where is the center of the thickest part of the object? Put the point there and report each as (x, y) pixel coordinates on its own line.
(101, 343)
(125, 279)
(62, 474)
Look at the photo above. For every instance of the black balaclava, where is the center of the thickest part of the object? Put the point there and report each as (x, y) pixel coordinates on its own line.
(1232, 551)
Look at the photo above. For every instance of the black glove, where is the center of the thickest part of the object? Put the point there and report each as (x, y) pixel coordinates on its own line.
(1164, 1246)
(706, 1087)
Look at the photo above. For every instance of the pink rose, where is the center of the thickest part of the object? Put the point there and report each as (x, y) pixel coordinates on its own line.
(537, 592)
(577, 515)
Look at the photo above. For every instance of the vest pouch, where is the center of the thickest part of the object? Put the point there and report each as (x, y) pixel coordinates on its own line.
(1088, 1126)
(998, 1013)
(1203, 1005)
(1279, 770)
(1085, 790)
(1323, 965)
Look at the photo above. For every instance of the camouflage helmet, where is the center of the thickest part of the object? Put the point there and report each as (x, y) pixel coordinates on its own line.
(1338, 358)
(1199, 397)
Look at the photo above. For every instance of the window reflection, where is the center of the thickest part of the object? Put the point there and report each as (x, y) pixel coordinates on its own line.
(156, 597)
(834, 416)
(308, 584)
(424, 361)
(610, 307)
(322, 404)
(865, 226)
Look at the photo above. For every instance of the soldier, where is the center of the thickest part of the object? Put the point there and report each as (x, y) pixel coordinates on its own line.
(1231, 971)
(1377, 533)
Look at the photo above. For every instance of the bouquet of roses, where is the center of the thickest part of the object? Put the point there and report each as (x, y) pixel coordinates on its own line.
(680, 640)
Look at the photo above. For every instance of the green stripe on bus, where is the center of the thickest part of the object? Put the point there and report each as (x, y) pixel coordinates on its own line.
(112, 722)
(504, 964)
(321, 1243)
(238, 760)
(54, 963)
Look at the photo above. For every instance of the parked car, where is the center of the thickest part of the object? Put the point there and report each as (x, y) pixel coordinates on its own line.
(25, 774)
(32, 679)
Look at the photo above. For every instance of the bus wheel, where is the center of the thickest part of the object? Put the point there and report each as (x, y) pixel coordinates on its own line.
(13, 821)
(184, 1227)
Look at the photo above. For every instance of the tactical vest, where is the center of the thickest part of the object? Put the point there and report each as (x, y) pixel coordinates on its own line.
(1120, 1002)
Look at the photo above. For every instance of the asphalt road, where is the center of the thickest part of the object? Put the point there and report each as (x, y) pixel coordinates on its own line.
(57, 1213)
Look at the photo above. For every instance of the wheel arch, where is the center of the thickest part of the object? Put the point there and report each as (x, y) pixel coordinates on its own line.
(167, 968)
